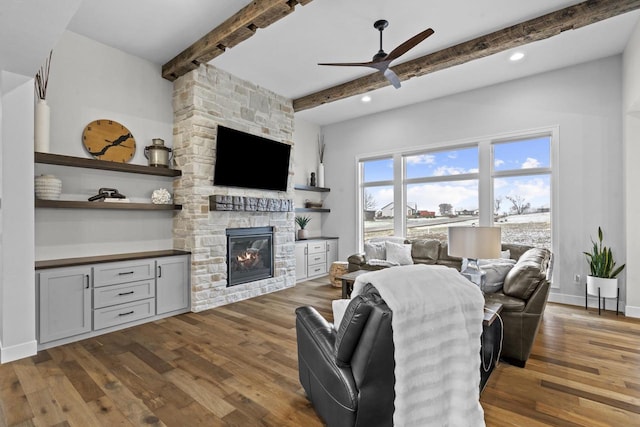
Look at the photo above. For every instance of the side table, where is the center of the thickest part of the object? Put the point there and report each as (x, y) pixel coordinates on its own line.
(348, 280)
(491, 341)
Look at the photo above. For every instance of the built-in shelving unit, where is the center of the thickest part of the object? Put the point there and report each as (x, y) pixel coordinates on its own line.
(79, 162)
(315, 189)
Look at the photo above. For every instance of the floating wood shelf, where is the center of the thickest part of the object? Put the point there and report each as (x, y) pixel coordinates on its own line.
(312, 210)
(310, 188)
(73, 204)
(79, 162)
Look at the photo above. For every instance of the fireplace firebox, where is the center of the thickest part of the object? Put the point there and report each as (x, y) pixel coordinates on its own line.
(249, 254)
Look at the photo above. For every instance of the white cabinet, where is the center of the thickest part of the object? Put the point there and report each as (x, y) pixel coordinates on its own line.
(314, 257)
(125, 293)
(172, 284)
(64, 301)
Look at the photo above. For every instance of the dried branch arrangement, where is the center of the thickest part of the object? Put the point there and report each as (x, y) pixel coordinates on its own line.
(321, 147)
(42, 78)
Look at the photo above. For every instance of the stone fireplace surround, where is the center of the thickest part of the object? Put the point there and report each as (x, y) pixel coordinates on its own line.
(203, 99)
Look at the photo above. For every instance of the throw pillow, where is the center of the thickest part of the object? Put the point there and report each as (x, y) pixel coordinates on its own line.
(375, 250)
(496, 272)
(399, 253)
(339, 306)
(505, 254)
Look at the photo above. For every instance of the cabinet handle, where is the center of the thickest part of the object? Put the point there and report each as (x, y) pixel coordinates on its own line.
(127, 313)
(124, 273)
(159, 271)
(87, 277)
(125, 293)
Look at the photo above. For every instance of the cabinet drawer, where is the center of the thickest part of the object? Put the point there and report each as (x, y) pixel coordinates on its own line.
(123, 313)
(317, 247)
(320, 258)
(106, 296)
(123, 272)
(314, 270)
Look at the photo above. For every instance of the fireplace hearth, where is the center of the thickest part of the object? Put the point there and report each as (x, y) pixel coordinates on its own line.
(249, 254)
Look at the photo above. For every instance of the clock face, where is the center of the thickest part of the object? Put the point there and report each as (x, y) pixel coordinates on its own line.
(109, 140)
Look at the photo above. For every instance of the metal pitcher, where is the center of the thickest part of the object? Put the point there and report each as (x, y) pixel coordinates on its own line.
(157, 154)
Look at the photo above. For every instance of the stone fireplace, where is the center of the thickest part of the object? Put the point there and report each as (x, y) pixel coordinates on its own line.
(203, 99)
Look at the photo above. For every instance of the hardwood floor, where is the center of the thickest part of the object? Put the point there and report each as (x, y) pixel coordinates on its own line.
(237, 366)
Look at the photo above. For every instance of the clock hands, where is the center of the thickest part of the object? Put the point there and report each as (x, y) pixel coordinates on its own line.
(117, 142)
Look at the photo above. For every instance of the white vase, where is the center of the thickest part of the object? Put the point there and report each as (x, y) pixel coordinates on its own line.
(47, 187)
(608, 287)
(321, 175)
(41, 126)
(303, 234)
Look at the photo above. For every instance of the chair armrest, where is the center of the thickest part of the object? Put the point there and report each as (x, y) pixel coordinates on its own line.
(357, 259)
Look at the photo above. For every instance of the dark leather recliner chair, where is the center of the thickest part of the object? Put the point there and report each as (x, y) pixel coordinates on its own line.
(524, 298)
(348, 374)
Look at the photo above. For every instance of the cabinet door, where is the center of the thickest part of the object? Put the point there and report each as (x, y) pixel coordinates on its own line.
(172, 284)
(64, 297)
(332, 252)
(301, 261)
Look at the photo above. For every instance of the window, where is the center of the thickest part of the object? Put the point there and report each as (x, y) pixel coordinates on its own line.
(522, 190)
(442, 189)
(502, 181)
(377, 198)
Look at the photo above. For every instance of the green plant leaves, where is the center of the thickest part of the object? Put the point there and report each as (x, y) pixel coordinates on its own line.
(600, 259)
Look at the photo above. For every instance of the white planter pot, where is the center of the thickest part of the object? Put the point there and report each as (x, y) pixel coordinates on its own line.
(608, 287)
(303, 234)
(47, 187)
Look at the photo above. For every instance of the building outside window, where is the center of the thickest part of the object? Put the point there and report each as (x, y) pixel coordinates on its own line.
(377, 194)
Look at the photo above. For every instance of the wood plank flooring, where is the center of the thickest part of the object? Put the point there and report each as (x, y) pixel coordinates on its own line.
(237, 366)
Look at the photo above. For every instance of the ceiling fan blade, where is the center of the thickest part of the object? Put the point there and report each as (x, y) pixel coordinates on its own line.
(409, 44)
(349, 64)
(392, 77)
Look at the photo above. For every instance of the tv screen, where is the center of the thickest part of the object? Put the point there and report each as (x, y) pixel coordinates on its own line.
(250, 161)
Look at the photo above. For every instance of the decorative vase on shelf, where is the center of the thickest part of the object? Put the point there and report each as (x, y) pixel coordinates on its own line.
(47, 187)
(303, 234)
(41, 126)
(320, 179)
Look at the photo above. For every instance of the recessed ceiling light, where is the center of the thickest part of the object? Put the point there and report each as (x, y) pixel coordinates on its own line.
(365, 98)
(516, 56)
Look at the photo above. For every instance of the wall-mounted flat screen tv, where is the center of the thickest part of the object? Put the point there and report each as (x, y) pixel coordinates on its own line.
(250, 161)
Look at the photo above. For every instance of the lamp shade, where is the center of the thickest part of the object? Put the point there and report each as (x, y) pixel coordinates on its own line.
(475, 242)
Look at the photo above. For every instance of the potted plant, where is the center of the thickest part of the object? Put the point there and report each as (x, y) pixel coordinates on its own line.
(302, 221)
(602, 279)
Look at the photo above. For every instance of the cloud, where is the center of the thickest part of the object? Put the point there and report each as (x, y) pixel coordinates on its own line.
(422, 159)
(449, 170)
(460, 194)
(498, 163)
(531, 163)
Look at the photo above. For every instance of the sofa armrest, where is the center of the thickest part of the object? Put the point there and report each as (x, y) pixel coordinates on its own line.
(357, 259)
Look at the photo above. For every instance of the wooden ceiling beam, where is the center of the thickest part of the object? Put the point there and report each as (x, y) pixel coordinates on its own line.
(239, 27)
(540, 28)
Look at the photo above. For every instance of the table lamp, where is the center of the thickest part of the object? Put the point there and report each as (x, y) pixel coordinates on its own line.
(474, 243)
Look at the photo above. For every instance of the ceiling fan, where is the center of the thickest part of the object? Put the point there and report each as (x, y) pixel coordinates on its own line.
(381, 60)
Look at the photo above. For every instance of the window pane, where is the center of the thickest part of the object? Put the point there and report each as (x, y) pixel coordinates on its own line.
(522, 209)
(378, 211)
(378, 170)
(437, 206)
(442, 163)
(525, 154)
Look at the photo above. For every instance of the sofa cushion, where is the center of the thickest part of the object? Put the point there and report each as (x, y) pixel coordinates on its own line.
(350, 329)
(425, 251)
(530, 270)
(496, 272)
(375, 250)
(399, 253)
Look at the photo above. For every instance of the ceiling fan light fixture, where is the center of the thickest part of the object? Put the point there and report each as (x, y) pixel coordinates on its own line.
(365, 99)
(516, 56)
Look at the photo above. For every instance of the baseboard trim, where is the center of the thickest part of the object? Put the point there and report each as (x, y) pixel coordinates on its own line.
(578, 300)
(632, 311)
(20, 351)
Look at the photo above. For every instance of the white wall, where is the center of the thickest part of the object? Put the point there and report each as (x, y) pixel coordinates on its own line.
(583, 101)
(90, 81)
(631, 109)
(17, 309)
(305, 161)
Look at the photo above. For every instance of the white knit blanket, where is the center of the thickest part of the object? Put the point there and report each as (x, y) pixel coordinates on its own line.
(437, 322)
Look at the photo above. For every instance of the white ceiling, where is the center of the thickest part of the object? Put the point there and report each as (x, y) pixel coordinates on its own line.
(283, 57)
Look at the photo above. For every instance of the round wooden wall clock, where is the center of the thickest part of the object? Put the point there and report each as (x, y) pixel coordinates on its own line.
(109, 140)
